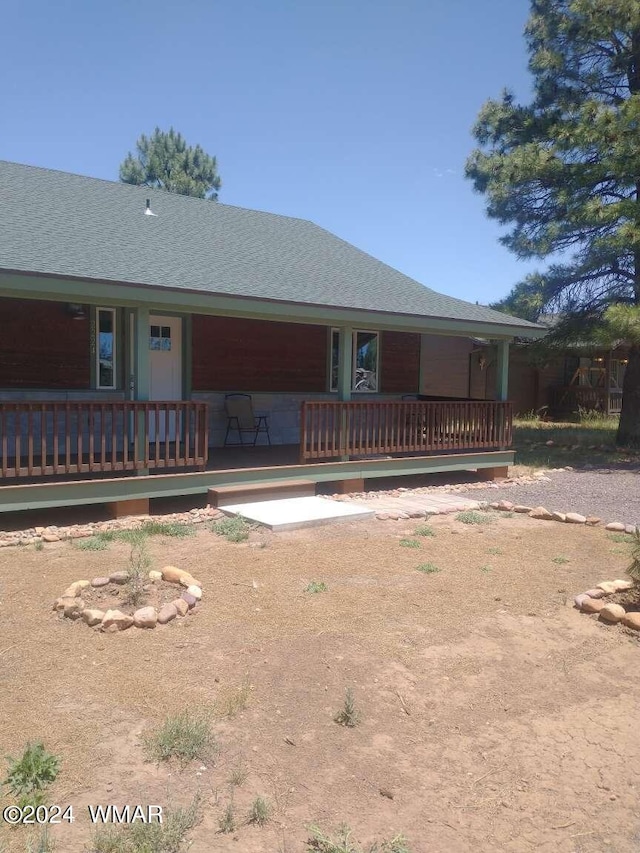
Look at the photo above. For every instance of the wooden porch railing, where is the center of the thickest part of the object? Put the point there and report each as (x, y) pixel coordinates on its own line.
(572, 398)
(51, 438)
(333, 429)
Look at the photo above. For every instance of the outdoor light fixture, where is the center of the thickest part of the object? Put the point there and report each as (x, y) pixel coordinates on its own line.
(76, 312)
(482, 362)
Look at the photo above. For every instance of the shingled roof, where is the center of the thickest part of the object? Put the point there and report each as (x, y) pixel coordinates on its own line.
(55, 223)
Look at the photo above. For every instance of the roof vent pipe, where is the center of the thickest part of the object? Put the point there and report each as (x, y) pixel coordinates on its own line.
(148, 211)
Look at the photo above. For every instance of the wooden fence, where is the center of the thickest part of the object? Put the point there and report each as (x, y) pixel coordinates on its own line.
(334, 429)
(572, 398)
(51, 438)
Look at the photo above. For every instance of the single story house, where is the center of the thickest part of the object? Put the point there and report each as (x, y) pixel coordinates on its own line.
(128, 314)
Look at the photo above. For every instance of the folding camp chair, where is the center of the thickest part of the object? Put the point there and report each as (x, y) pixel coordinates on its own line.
(241, 419)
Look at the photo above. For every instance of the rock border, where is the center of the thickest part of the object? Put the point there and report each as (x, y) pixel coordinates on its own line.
(544, 514)
(593, 601)
(33, 535)
(71, 605)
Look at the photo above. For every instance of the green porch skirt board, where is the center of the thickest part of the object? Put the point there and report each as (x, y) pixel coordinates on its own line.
(43, 495)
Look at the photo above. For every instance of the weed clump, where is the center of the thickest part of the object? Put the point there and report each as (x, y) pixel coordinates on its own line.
(186, 736)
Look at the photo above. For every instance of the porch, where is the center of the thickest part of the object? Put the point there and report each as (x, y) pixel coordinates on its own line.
(88, 452)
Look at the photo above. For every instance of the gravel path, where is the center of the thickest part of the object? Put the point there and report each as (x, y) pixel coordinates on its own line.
(612, 495)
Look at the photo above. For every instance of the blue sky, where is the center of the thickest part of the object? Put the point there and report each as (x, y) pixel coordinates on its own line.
(355, 114)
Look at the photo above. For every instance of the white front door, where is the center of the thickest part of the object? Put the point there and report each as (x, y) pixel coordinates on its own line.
(165, 370)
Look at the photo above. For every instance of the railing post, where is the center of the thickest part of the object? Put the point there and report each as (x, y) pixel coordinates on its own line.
(140, 363)
(345, 384)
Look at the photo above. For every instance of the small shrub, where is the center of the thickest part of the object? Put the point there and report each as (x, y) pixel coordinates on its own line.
(634, 568)
(235, 529)
(238, 775)
(398, 844)
(348, 715)
(473, 517)
(560, 560)
(409, 543)
(427, 568)
(495, 551)
(32, 772)
(259, 811)
(532, 416)
(186, 736)
(485, 569)
(227, 822)
(424, 530)
(39, 545)
(139, 562)
(316, 586)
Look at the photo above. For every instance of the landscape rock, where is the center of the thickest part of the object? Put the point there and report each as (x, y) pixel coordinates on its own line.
(73, 608)
(592, 520)
(592, 605)
(522, 508)
(505, 506)
(50, 537)
(612, 613)
(622, 585)
(115, 620)
(92, 617)
(98, 582)
(632, 620)
(607, 586)
(190, 599)
(145, 617)
(595, 593)
(630, 529)
(579, 599)
(119, 577)
(166, 613)
(575, 518)
(181, 606)
(155, 576)
(195, 591)
(382, 516)
(558, 516)
(616, 526)
(172, 574)
(541, 513)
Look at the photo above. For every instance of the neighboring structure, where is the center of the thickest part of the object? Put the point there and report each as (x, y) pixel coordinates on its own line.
(127, 313)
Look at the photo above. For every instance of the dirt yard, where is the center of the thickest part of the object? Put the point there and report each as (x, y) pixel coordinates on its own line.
(494, 716)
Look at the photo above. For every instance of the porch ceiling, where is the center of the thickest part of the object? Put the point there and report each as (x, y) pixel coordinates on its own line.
(30, 286)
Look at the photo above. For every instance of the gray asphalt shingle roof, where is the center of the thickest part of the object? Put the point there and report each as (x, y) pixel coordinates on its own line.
(61, 224)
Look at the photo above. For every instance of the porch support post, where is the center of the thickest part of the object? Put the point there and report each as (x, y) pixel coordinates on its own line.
(607, 382)
(502, 371)
(345, 380)
(140, 363)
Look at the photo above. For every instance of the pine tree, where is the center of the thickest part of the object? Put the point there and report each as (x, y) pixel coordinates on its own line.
(165, 161)
(564, 173)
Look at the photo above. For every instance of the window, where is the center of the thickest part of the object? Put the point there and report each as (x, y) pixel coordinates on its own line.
(106, 350)
(365, 361)
(160, 338)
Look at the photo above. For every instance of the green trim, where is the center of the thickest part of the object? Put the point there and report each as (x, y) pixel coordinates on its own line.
(345, 362)
(502, 371)
(187, 356)
(40, 496)
(27, 286)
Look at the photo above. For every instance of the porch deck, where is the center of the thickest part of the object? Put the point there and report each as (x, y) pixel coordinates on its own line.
(109, 453)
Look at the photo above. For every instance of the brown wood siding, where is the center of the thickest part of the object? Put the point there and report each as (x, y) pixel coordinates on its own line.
(41, 346)
(399, 363)
(445, 365)
(231, 354)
